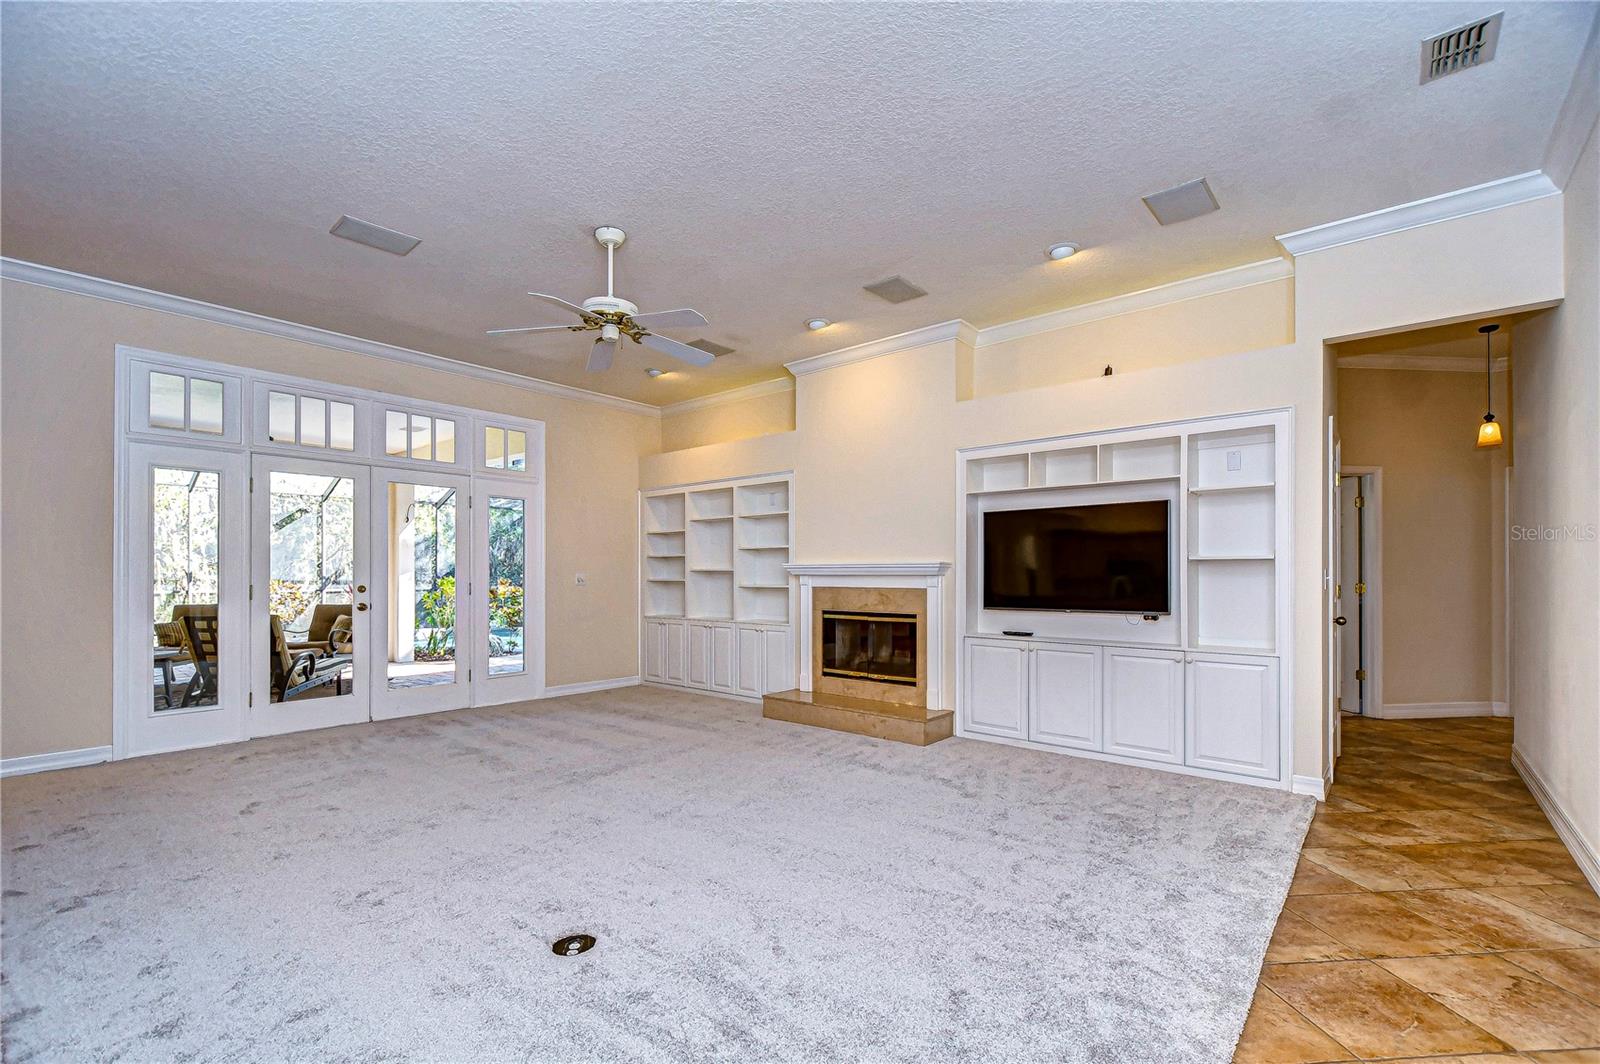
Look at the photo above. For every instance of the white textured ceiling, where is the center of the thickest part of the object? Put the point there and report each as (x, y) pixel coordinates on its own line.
(766, 160)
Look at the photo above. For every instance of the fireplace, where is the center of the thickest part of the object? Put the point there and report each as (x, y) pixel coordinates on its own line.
(880, 647)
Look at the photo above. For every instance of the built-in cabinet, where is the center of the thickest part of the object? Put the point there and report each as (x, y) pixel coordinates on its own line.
(714, 592)
(1200, 686)
(1202, 711)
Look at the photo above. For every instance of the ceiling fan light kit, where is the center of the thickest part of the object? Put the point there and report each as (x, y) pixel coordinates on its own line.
(614, 317)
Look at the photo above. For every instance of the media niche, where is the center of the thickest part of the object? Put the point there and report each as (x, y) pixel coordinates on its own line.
(1102, 558)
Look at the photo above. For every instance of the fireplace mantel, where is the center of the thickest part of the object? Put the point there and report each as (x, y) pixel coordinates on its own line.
(928, 576)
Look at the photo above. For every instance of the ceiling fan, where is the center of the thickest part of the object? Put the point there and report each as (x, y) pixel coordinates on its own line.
(615, 318)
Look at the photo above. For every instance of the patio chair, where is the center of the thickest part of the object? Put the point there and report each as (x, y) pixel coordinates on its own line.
(200, 643)
(323, 620)
(296, 672)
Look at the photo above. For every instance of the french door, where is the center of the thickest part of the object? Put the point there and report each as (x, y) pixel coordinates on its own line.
(422, 657)
(311, 628)
(508, 633)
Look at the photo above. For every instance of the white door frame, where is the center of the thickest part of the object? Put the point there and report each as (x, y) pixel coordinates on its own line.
(389, 703)
(1372, 572)
(276, 718)
(141, 729)
(488, 690)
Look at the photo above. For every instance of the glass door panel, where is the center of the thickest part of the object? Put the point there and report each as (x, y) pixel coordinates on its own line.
(310, 595)
(421, 549)
(505, 619)
(187, 584)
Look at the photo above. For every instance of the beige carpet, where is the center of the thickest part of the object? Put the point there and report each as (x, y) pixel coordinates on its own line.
(761, 891)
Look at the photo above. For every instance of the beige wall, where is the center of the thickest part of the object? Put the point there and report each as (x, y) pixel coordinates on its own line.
(760, 415)
(1439, 540)
(56, 512)
(1555, 583)
(1245, 319)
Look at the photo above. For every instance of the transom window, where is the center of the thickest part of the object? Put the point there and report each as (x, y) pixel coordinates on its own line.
(419, 437)
(505, 448)
(166, 399)
(310, 421)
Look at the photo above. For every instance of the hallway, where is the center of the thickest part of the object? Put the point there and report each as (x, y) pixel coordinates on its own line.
(1434, 913)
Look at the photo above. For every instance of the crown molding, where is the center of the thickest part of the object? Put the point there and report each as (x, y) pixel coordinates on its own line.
(1420, 363)
(1205, 284)
(1580, 112)
(115, 291)
(1489, 196)
(928, 334)
(732, 395)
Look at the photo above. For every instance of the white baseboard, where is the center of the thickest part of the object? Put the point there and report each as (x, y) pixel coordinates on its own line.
(1315, 786)
(729, 696)
(591, 685)
(1420, 710)
(21, 766)
(1582, 852)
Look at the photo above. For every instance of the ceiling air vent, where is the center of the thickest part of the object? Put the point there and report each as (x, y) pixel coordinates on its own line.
(1461, 48)
(896, 290)
(374, 236)
(1181, 202)
(711, 347)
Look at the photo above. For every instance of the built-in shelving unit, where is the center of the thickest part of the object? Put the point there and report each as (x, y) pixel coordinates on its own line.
(1202, 687)
(715, 594)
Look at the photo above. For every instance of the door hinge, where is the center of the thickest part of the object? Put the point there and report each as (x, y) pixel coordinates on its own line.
(1361, 587)
(252, 699)
(1338, 590)
(1361, 500)
(1361, 674)
(252, 485)
(469, 675)
(252, 592)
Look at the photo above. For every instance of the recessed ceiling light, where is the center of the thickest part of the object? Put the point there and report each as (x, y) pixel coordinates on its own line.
(817, 323)
(1064, 250)
(653, 372)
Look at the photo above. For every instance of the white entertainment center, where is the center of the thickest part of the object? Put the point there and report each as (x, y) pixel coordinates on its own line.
(1201, 688)
(714, 590)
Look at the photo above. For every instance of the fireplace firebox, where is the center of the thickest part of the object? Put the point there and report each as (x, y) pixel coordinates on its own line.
(881, 647)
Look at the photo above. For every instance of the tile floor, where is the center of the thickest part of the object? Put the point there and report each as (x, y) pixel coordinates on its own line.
(1434, 915)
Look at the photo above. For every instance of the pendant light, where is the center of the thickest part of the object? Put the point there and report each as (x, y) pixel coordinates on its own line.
(1489, 431)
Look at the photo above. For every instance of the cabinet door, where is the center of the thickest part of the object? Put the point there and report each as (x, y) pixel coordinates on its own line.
(777, 653)
(1233, 714)
(699, 655)
(1144, 704)
(752, 682)
(997, 688)
(724, 666)
(655, 651)
(1065, 696)
(677, 651)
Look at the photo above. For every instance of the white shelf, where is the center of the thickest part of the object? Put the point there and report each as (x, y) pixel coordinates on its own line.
(775, 546)
(1228, 489)
(712, 569)
(708, 520)
(1231, 557)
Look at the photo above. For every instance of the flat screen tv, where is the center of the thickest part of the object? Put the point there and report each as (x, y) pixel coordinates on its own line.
(1105, 558)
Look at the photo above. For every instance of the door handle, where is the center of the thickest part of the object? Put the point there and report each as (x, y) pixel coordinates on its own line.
(1340, 621)
(361, 607)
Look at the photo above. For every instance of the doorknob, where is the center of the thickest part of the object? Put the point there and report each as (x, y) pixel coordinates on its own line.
(361, 607)
(1340, 621)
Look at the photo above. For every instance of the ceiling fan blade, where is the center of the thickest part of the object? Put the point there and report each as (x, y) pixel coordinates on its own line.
(557, 301)
(600, 355)
(683, 352)
(670, 319)
(531, 329)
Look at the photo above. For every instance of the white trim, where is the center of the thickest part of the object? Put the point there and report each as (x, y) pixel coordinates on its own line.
(117, 292)
(1582, 851)
(1420, 363)
(929, 576)
(1489, 196)
(22, 766)
(1430, 710)
(928, 334)
(586, 686)
(1580, 111)
(1206, 284)
(734, 395)
(1315, 786)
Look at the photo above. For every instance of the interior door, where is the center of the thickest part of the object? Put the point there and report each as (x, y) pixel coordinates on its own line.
(422, 586)
(1352, 670)
(187, 590)
(507, 627)
(308, 594)
(1333, 665)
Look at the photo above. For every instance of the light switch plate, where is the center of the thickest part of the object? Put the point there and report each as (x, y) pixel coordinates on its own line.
(1235, 461)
